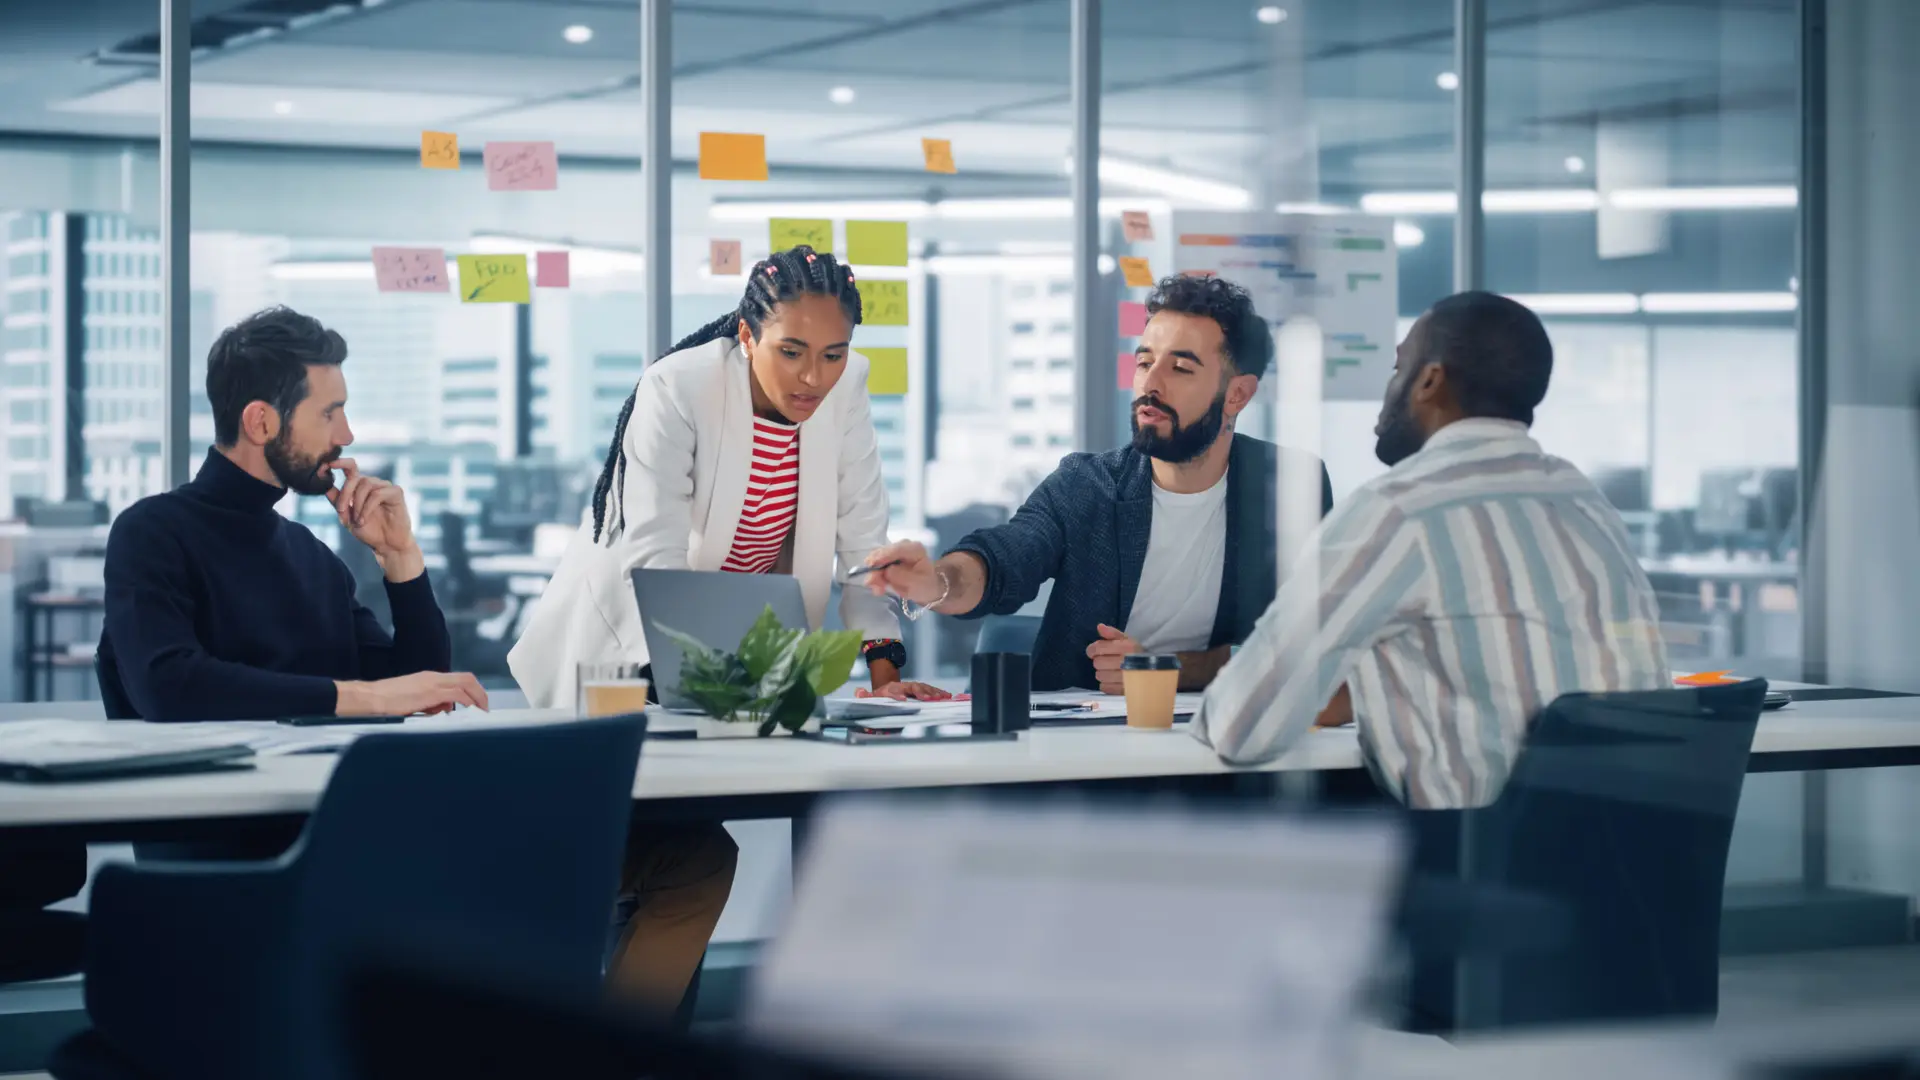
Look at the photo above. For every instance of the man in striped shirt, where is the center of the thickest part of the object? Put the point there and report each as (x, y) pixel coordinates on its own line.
(1451, 599)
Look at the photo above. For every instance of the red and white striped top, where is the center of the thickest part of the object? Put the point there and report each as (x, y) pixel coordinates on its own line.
(773, 496)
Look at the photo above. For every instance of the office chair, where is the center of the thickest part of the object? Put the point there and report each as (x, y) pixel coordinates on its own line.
(113, 693)
(1620, 811)
(502, 846)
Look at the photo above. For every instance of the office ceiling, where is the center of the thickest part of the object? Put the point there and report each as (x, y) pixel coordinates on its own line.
(1202, 86)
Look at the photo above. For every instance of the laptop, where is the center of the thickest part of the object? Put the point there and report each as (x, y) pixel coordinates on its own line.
(718, 608)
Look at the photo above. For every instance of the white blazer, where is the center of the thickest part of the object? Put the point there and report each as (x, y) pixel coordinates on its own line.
(689, 446)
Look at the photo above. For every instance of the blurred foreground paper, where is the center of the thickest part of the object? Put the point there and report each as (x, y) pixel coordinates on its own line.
(1072, 940)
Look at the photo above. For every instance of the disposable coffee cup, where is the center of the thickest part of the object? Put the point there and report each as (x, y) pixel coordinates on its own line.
(1150, 682)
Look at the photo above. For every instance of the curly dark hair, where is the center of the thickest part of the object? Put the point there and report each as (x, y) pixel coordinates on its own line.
(786, 275)
(264, 357)
(1249, 342)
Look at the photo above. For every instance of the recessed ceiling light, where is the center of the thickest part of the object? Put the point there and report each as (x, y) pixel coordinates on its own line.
(841, 95)
(282, 108)
(1447, 80)
(577, 34)
(1271, 15)
(1576, 164)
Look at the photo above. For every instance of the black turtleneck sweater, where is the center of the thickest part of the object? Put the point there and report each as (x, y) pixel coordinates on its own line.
(218, 608)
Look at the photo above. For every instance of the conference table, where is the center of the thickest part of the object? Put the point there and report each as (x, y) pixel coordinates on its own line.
(782, 777)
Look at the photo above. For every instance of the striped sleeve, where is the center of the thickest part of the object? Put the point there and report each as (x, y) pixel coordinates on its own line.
(1363, 567)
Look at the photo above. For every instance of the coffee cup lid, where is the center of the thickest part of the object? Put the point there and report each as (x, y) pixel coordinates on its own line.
(1150, 662)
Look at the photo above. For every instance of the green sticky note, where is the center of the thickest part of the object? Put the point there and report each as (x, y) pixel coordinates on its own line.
(877, 243)
(883, 303)
(494, 279)
(784, 233)
(886, 371)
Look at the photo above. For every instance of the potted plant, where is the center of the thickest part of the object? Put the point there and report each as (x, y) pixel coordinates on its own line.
(771, 683)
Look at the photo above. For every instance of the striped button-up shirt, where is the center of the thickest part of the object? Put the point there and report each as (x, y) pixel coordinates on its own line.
(1456, 596)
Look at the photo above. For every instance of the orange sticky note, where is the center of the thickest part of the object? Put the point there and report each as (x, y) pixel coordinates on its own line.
(732, 157)
(1137, 224)
(1706, 678)
(939, 155)
(1136, 272)
(723, 257)
(439, 150)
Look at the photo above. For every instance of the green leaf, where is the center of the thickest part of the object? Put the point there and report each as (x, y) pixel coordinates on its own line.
(826, 658)
(765, 643)
(795, 707)
(720, 700)
(783, 672)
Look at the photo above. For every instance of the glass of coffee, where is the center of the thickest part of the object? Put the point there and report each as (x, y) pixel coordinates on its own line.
(1150, 681)
(611, 690)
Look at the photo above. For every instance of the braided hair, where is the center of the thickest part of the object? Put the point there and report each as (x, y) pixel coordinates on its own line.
(786, 275)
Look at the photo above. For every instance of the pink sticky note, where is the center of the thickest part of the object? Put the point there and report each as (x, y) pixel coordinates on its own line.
(723, 256)
(403, 269)
(1137, 224)
(521, 166)
(552, 269)
(1133, 318)
(1128, 365)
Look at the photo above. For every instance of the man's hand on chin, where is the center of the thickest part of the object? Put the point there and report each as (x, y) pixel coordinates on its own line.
(375, 512)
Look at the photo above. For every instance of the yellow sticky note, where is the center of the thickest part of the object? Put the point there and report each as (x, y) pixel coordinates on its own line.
(494, 279)
(877, 243)
(1136, 272)
(886, 370)
(939, 155)
(732, 157)
(439, 150)
(784, 233)
(883, 303)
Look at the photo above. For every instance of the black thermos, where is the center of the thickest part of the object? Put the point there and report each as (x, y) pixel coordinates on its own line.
(1000, 683)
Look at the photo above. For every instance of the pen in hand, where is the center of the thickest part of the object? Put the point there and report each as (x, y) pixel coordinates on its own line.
(862, 571)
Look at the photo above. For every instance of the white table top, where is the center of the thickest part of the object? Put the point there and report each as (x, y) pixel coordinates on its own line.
(738, 768)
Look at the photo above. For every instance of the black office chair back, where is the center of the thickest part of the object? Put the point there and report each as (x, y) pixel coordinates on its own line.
(1620, 809)
(453, 546)
(113, 693)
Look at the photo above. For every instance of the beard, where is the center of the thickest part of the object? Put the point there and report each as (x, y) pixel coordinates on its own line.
(303, 473)
(1398, 438)
(1184, 443)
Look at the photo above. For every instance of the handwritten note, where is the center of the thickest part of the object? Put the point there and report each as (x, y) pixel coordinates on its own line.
(1129, 364)
(555, 269)
(877, 243)
(1137, 224)
(784, 233)
(1136, 272)
(732, 157)
(439, 150)
(939, 154)
(493, 279)
(886, 371)
(402, 269)
(1133, 318)
(723, 257)
(883, 303)
(522, 166)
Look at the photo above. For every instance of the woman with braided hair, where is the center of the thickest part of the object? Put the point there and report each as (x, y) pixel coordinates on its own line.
(748, 448)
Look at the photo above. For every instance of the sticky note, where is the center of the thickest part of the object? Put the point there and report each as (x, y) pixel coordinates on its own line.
(1136, 272)
(939, 154)
(1133, 318)
(1706, 678)
(554, 268)
(732, 157)
(522, 166)
(784, 233)
(1128, 365)
(402, 269)
(883, 303)
(886, 371)
(877, 243)
(1137, 224)
(439, 150)
(493, 279)
(723, 257)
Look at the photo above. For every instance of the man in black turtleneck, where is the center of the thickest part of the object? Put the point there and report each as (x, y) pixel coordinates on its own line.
(218, 608)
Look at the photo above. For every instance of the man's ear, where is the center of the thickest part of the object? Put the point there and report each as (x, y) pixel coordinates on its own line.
(1240, 391)
(259, 423)
(1430, 384)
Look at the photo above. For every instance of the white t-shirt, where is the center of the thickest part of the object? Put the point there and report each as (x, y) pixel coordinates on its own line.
(1180, 583)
